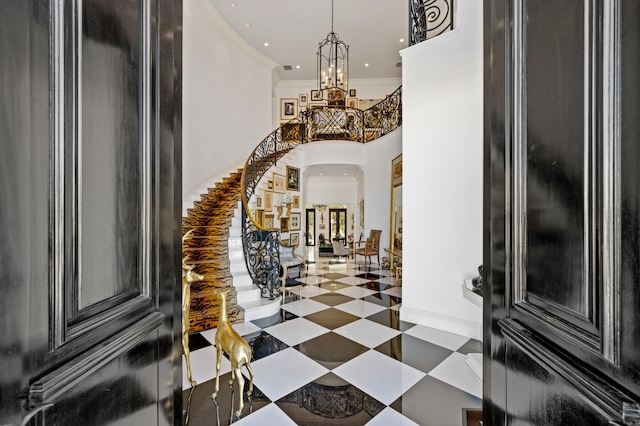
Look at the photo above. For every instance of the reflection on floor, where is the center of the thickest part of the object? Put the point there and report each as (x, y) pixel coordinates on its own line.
(340, 355)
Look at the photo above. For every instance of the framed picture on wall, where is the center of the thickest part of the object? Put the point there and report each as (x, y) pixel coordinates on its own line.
(294, 224)
(352, 102)
(268, 221)
(293, 178)
(296, 201)
(295, 239)
(260, 217)
(352, 92)
(288, 108)
(315, 95)
(270, 184)
(284, 224)
(278, 183)
(258, 201)
(303, 99)
(396, 171)
(268, 201)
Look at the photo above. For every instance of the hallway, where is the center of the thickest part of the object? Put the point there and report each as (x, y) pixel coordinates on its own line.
(340, 356)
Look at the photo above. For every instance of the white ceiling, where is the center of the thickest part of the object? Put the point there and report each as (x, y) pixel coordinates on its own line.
(293, 29)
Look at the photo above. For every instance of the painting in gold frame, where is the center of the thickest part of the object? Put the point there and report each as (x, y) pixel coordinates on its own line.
(295, 239)
(296, 201)
(293, 178)
(268, 221)
(259, 217)
(268, 200)
(279, 183)
(396, 171)
(284, 224)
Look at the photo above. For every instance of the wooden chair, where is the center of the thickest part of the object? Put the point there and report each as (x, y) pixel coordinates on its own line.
(371, 246)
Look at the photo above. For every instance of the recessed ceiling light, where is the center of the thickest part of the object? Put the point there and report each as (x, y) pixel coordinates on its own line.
(321, 174)
(247, 25)
(298, 66)
(345, 174)
(233, 5)
(266, 44)
(366, 65)
(401, 40)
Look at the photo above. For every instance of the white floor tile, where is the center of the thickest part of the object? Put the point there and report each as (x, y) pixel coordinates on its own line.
(352, 280)
(360, 308)
(242, 329)
(268, 415)
(312, 290)
(296, 331)
(279, 374)
(391, 291)
(441, 338)
(455, 372)
(203, 366)
(312, 280)
(389, 416)
(367, 333)
(304, 307)
(382, 377)
(356, 292)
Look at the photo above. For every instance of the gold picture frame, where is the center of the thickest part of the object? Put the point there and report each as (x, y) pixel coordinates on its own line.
(279, 183)
(268, 201)
(259, 217)
(396, 171)
(284, 224)
(295, 239)
(268, 221)
(293, 178)
(296, 201)
(352, 103)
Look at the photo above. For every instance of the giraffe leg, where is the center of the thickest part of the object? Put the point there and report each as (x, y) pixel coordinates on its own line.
(250, 378)
(240, 378)
(218, 360)
(187, 357)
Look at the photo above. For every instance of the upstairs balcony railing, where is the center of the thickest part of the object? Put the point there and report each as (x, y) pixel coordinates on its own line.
(429, 18)
(261, 244)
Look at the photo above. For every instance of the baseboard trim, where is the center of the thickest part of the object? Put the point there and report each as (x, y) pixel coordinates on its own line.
(459, 326)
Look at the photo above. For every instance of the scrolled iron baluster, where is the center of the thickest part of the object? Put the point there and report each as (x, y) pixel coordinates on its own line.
(429, 18)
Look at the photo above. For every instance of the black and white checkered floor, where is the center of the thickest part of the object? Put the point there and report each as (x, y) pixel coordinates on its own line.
(340, 355)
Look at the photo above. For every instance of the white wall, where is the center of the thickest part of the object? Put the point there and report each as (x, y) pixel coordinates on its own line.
(227, 96)
(442, 175)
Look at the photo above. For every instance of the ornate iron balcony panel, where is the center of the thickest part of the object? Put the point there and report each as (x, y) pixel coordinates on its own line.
(429, 18)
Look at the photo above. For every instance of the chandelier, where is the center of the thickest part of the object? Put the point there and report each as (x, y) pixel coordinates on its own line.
(333, 67)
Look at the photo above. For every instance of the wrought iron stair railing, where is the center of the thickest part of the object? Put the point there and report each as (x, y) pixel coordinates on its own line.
(261, 245)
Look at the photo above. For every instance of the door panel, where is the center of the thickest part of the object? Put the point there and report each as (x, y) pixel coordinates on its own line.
(561, 212)
(90, 235)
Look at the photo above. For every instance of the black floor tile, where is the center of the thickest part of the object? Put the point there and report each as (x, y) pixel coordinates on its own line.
(333, 285)
(375, 286)
(383, 299)
(417, 353)
(472, 345)
(434, 403)
(199, 409)
(332, 299)
(332, 318)
(196, 341)
(331, 349)
(370, 276)
(390, 318)
(330, 400)
(333, 275)
(264, 345)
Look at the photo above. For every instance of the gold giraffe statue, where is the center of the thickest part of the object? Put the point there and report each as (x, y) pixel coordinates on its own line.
(188, 277)
(239, 351)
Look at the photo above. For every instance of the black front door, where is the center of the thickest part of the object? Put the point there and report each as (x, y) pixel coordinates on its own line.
(562, 212)
(90, 212)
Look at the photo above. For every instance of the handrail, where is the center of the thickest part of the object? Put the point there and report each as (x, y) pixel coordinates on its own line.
(261, 245)
(429, 18)
(315, 124)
